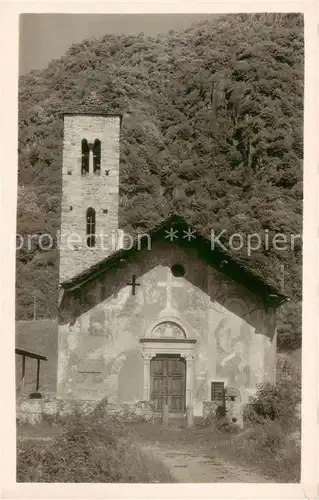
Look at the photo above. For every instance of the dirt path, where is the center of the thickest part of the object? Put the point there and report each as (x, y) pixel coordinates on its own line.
(189, 466)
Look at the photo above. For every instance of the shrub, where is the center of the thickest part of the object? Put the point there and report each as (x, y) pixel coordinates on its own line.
(270, 437)
(274, 403)
(250, 415)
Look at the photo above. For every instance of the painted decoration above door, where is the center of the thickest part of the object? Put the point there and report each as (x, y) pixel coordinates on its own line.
(168, 329)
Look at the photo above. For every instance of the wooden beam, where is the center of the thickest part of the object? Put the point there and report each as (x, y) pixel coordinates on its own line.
(28, 354)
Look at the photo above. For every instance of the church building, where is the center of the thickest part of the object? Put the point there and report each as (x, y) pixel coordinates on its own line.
(162, 318)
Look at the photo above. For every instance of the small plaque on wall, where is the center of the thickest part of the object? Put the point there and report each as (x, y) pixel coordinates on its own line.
(90, 365)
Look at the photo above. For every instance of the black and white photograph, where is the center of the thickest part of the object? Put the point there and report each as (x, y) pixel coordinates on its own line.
(159, 248)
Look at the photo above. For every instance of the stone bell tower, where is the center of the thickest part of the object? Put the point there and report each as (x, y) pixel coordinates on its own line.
(90, 191)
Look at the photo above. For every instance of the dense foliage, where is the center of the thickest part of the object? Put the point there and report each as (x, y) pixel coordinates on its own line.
(272, 430)
(212, 130)
(274, 402)
(279, 402)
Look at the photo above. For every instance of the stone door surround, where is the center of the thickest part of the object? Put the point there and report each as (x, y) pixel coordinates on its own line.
(185, 348)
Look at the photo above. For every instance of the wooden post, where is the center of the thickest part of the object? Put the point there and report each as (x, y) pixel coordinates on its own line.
(165, 415)
(38, 375)
(32, 355)
(23, 374)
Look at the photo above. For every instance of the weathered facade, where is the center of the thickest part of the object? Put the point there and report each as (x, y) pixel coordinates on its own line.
(171, 322)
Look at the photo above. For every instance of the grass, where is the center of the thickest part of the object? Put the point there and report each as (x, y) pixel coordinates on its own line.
(271, 449)
(82, 451)
(266, 449)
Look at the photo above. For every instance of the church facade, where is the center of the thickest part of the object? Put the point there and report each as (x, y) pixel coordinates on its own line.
(163, 318)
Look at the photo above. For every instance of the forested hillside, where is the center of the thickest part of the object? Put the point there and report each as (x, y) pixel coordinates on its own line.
(212, 130)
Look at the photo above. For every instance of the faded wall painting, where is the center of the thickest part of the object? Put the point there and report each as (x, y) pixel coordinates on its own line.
(101, 328)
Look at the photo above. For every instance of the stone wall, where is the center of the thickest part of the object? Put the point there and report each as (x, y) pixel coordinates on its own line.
(140, 411)
(100, 328)
(33, 411)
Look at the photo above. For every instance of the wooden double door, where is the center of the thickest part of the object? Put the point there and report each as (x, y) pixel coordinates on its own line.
(168, 383)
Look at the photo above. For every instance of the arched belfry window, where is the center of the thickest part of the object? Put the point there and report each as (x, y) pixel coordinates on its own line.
(90, 227)
(97, 156)
(85, 157)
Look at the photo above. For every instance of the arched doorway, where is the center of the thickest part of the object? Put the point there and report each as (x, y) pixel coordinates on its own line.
(168, 354)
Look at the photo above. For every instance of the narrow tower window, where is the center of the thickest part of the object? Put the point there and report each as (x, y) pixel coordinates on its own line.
(97, 156)
(85, 157)
(90, 227)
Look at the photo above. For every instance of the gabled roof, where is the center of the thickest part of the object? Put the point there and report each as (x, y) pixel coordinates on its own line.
(216, 257)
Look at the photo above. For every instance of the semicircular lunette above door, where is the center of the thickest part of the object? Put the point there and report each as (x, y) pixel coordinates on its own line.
(168, 329)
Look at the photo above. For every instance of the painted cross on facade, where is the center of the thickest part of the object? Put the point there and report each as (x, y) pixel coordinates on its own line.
(133, 284)
(169, 284)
